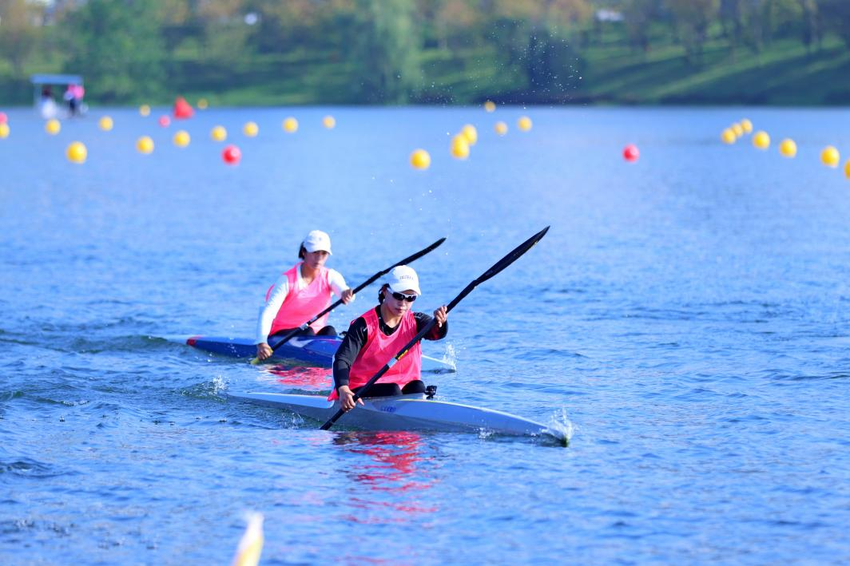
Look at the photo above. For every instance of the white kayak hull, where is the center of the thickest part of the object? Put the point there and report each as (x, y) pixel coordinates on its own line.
(406, 412)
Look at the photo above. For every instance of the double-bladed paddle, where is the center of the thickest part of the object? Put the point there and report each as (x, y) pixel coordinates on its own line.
(292, 333)
(499, 266)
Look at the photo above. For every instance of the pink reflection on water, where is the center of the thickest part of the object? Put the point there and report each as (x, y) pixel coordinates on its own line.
(393, 474)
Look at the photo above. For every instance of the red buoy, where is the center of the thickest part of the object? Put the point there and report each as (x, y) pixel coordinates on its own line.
(231, 155)
(631, 153)
(164, 121)
(182, 109)
(3, 118)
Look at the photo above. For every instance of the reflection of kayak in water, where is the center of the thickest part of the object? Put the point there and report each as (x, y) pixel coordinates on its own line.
(317, 350)
(408, 412)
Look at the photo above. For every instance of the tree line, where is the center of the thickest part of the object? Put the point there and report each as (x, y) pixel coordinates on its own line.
(131, 49)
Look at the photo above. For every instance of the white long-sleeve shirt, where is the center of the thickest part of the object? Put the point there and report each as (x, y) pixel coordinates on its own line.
(270, 308)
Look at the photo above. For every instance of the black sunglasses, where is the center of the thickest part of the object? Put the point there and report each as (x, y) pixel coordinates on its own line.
(403, 297)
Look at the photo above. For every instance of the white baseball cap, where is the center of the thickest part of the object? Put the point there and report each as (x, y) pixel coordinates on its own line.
(317, 241)
(403, 278)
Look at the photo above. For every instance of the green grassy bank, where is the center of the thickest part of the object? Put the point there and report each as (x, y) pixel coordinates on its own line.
(608, 72)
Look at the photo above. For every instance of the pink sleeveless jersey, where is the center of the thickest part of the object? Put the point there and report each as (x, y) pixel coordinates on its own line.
(380, 349)
(300, 305)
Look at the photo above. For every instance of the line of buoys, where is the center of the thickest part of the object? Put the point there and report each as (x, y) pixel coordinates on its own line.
(829, 156)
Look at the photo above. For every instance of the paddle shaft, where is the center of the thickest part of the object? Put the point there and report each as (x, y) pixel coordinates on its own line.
(292, 333)
(499, 266)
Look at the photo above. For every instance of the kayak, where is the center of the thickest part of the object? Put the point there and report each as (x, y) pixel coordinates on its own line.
(408, 412)
(316, 350)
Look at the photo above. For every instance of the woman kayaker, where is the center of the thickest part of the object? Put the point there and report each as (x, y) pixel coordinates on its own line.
(378, 335)
(301, 293)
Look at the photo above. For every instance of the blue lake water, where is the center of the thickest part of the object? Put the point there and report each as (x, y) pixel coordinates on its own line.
(688, 315)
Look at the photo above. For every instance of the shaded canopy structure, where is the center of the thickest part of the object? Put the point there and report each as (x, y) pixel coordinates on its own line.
(40, 81)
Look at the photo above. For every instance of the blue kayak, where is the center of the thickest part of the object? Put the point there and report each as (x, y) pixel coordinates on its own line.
(315, 350)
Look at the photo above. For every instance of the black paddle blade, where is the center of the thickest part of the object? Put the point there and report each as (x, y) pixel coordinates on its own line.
(513, 256)
(417, 255)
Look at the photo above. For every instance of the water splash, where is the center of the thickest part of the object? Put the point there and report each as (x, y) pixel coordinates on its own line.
(450, 356)
(560, 426)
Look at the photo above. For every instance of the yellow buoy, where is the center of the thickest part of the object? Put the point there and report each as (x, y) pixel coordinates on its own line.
(490, 106)
(738, 129)
(105, 123)
(76, 153)
(144, 145)
(329, 122)
(830, 156)
(728, 136)
(460, 146)
(145, 110)
(4, 131)
(420, 159)
(218, 134)
(847, 169)
(202, 104)
(470, 133)
(251, 544)
(524, 123)
(250, 129)
(761, 140)
(182, 138)
(501, 128)
(747, 125)
(788, 148)
(290, 125)
(52, 126)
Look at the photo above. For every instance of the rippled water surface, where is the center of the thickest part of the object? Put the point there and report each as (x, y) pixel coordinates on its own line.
(688, 315)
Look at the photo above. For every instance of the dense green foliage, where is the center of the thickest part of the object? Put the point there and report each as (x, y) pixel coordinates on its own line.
(433, 51)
